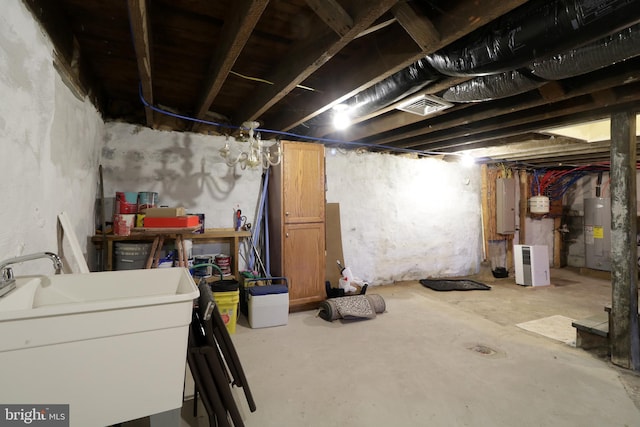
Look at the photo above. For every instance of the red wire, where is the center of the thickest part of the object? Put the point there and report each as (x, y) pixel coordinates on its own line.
(551, 177)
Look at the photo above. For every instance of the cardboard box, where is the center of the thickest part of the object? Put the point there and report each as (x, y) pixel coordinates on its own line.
(174, 222)
(165, 212)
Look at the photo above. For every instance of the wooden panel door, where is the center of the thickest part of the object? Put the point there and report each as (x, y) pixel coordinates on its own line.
(303, 182)
(304, 264)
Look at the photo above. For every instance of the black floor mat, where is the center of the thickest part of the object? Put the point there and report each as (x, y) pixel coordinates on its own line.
(454, 285)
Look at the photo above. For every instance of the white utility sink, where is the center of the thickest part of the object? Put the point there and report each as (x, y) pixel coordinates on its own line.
(112, 345)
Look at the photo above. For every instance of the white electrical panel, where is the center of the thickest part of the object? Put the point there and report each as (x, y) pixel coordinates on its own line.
(505, 205)
(532, 265)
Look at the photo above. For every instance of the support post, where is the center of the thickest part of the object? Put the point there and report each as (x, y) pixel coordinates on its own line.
(624, 335)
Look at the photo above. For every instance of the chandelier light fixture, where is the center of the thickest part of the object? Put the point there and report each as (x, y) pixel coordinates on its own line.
(255, 154)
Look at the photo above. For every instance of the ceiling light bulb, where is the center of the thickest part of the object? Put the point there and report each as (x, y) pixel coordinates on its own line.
(467, 160)
(341, 118)
(341, 121)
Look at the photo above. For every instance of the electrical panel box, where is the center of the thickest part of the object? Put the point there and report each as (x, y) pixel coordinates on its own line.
(597, 233)
(505, 206)
(532, 265)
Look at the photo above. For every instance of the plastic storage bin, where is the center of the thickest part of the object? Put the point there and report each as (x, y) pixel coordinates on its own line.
(268, 306)
(131, 255)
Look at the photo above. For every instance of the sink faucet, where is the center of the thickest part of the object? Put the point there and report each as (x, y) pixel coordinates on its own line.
(7, 281)
(57, 262)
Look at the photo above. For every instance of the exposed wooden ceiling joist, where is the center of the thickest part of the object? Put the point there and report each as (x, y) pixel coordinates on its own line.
(419, 27)
(483, 135)
(308, 56)
(139, 20)
(493, 109)
(333, 15)
(235, 33)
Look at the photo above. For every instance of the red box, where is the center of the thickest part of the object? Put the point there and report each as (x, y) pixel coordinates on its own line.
(172, 222)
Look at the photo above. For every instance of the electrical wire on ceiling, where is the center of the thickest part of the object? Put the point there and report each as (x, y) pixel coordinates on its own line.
(294, 135)
(257, 79)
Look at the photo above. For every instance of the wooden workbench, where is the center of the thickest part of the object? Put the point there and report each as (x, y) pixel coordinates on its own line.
(211, 235)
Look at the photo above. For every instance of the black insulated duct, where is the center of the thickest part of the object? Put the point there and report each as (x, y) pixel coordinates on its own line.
(486, 88)
(534, 30)
(607, 51)
(395, 87)
(604, 52)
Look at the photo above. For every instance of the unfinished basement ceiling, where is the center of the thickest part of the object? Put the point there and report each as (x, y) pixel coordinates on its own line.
(504, 70)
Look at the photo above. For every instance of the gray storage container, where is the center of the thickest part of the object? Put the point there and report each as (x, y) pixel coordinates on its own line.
(131, 255)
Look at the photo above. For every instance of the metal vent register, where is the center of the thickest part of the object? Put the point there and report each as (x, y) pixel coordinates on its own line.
(424, 105)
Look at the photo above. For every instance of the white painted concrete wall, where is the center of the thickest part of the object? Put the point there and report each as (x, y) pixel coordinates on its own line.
(402, 218)
(49, 145)
(185, 169)
(405, 218)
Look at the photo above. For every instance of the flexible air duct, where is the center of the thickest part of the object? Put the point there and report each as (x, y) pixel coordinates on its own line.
(486, 88)
(395, 87)
(537, 29)
(585, 59)
(607, 51)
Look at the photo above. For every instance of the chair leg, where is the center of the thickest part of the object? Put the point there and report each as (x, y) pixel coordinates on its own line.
(231, 356)
(206, 384)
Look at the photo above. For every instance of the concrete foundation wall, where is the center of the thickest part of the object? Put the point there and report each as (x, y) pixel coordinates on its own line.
(185, 169)
(49, 141)
(402, 218)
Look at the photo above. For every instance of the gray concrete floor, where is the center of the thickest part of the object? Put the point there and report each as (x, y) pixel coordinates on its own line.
(440, 359)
